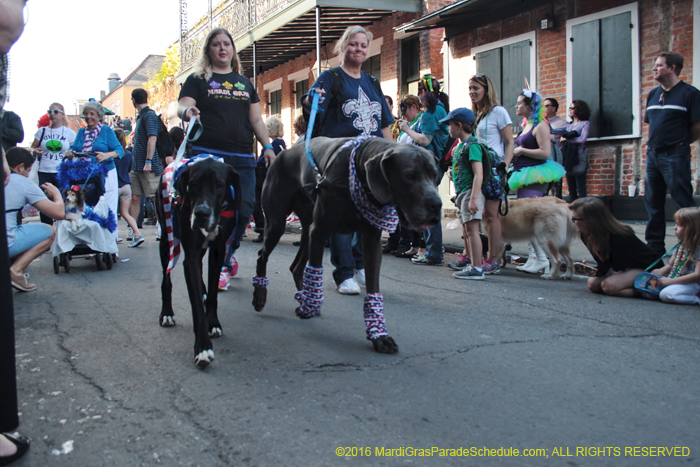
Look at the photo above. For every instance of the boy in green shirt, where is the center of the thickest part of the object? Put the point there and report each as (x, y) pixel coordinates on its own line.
(468, 175)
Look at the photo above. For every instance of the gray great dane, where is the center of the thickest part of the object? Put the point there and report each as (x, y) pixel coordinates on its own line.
(389, 174)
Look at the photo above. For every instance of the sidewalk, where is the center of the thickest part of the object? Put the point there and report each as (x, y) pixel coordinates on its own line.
(453, 243)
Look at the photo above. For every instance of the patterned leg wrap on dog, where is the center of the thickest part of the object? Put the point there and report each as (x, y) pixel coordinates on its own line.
(311, 296)
(374, 316)
(260, 281)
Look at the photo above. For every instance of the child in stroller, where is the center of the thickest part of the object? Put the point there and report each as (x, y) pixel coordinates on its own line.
(93, 235)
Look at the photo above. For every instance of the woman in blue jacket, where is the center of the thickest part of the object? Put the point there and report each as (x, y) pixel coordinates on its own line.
(101, 140)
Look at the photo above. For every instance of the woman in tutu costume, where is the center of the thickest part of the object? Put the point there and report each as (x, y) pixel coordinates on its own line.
(533, 171)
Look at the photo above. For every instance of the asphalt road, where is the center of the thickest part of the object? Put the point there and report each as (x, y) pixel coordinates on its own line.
(511, 362)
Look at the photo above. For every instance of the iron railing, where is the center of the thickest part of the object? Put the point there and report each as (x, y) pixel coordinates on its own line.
(237, 16)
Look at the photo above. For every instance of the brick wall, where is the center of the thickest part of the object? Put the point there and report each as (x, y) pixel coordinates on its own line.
(664, 25)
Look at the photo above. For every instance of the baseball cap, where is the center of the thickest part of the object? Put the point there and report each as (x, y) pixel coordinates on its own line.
(461, 114)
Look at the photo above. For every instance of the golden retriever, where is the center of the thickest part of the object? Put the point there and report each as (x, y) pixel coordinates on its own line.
(548, 221)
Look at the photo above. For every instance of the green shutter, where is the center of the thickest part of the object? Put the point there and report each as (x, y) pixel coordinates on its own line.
(516, 68)
(616, 76)
(585, 67)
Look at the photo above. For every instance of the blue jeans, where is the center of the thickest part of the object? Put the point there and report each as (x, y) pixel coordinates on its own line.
(668, 169)
(245, 166)
(433, 235)
(346, 256)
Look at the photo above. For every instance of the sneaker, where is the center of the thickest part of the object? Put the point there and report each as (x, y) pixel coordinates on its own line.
(129, 234)
(490, 267)
(119, 239)
(224, 278)
(423, 259)
(360, 277)
(461, 263)
(136, 242)
(233, 266)
(158, 232)
(470, 272)
(150, 221)
(349, 287)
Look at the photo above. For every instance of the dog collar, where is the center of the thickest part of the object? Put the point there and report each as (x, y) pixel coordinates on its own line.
(384, 218)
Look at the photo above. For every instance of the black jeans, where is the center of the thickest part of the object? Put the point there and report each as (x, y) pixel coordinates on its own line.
(577, 186)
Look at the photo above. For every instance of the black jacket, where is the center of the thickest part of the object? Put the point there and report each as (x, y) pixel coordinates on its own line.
(12, 130)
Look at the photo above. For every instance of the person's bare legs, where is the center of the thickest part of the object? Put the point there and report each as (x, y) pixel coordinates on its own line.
(617, 285)
(475, 242)
(21, 263)
(493, 228)
(125, 209)
(135, 207)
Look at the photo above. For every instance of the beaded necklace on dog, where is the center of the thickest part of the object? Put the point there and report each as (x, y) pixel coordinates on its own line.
(384, 218)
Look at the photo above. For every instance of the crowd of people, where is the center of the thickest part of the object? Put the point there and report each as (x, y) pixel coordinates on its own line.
(475, 146)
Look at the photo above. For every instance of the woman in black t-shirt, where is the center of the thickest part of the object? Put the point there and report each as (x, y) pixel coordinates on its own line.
(620, 255)
(228, 106)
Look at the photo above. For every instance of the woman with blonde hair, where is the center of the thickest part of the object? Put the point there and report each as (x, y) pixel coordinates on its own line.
(358, 109)
(228, 107)
(495, 129)
(50, 145)
(619, 254)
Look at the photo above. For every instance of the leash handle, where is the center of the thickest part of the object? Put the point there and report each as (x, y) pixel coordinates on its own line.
(183, 146)
(310, 131)
(661, 258)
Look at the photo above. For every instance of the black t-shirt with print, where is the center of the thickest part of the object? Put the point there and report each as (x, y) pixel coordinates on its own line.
(224, 104)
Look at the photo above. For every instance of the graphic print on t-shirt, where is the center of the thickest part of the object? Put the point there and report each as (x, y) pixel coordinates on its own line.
(227, 92)
(366, 111)
(54, 146)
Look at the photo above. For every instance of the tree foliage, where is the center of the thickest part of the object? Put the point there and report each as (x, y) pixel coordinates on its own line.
(162, 88)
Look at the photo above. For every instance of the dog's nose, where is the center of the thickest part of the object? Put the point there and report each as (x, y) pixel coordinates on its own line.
(202, 211)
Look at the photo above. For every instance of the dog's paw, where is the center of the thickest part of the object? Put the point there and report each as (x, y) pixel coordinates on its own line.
(167, 321)
(304, 315)
(215, 332)
(385, 344)
(204, 358)
(259, 298)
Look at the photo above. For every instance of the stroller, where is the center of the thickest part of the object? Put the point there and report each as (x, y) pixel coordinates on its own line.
(94, 234)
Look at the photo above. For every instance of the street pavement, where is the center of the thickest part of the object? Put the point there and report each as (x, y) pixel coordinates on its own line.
(511, 363)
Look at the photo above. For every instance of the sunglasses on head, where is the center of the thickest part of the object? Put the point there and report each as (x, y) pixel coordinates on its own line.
(54, 112)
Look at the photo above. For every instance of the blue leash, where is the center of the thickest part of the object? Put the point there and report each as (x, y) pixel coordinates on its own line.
(309, 133)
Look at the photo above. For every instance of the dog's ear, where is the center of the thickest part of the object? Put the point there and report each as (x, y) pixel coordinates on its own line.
(377, 169)
(182, 182)
(233, 180)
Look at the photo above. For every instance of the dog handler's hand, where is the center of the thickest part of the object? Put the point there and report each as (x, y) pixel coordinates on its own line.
(269, 156)
(70, 154)
(191, 112)
(147, 166)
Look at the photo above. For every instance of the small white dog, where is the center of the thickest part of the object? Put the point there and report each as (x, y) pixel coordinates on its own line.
(74, 207)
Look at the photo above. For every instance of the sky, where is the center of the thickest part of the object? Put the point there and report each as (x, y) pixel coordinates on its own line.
(70, 47)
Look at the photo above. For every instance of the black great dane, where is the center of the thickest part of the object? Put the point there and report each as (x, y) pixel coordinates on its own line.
(204, 213)
(384, 174)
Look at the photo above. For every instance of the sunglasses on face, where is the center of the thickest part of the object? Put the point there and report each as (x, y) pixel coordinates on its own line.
(403, 108)
(577, 219)
(572, 108)
(54, 112)
(548, 105)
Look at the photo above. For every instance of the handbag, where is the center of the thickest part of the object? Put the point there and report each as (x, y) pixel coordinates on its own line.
(647, 284)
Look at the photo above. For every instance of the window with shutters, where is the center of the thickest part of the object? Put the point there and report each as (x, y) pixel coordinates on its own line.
(603, 69)
(301, 88)
(275, 102)
(509, 64)
(410, 65)
(373, 66)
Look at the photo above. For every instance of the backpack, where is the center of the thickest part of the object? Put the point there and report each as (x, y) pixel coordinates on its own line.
(333, 99)
(164, 143)
(492, 188)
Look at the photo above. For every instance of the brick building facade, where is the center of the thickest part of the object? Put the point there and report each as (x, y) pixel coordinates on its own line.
(449, 52)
